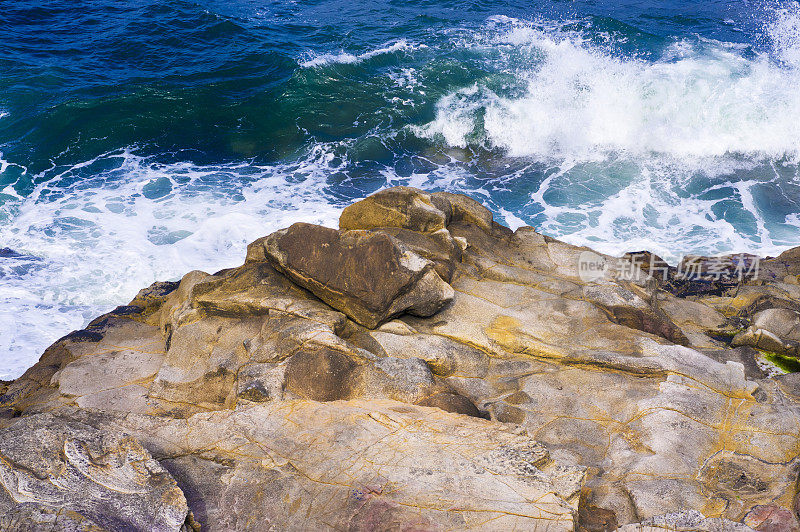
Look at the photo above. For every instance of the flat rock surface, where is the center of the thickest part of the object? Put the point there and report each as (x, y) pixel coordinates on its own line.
(360, 465)
(58, 473)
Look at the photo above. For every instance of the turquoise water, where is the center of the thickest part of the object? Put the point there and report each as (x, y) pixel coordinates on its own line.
(142, 139)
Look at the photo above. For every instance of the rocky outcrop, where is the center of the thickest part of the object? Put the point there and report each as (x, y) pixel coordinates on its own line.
(354, 465)
(773, 329)
(421, 368)
(370, 276)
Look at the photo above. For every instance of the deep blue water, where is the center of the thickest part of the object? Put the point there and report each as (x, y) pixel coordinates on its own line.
(143, 139)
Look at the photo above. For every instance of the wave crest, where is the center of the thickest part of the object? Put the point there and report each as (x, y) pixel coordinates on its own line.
(581, 102)
(348, 58)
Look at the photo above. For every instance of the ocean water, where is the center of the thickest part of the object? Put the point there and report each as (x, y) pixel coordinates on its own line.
(142, 139)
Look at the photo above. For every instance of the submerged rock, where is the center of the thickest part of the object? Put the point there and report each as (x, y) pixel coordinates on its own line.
(337, 379)
(9, 253)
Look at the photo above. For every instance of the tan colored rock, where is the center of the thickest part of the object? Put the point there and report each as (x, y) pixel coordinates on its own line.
(778, 268)
(256, 289)
(359, 465)
(784, 323)
(131, 352)
(401, 207)
(321, 374)
(403, 379)
(463, 209)
(266, 389)
(774, 329)
(701, 324)
(201, 363)
(594, 519)
(445, 357)
(438, 247)
(686, 521)
(107, 365)
(451, 402)
(150, 299)
(177, 306)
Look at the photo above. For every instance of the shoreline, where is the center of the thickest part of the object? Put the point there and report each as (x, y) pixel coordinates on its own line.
(418, 325)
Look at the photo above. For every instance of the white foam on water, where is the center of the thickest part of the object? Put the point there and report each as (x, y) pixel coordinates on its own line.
(705, 110)
(348, 58)
(705, 99)
(101, 240)
(644, 215)
(783, 31)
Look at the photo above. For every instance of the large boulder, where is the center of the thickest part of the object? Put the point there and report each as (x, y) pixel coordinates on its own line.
(783, 268)
(370, 277)
(420, 220)
(775, 329)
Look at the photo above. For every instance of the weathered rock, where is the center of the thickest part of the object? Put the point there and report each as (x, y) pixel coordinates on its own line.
(256, 289)
(790, 382)
(59, 474)
(459, 208)
(771, 518)
(150, 299)
(356, 465)
(451, 402)
(401, 207)
(403, 379)
(110, 369)
(320, 374)
(769, 297)
(746, 356)
(444, 356)
(784, 267)
(201, 363)
(774, 329)
(371, 277)
(697, 275)
(268, 405)
(701, 325)
(439, 247)
(687, 520)
(594, 519)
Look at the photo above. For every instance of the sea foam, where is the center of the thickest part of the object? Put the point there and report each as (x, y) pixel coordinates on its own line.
(683, 153)
(348, 58)
(95, 242)
(581, 102)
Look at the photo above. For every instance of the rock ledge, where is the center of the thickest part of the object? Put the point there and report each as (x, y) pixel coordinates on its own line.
(420, 368)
